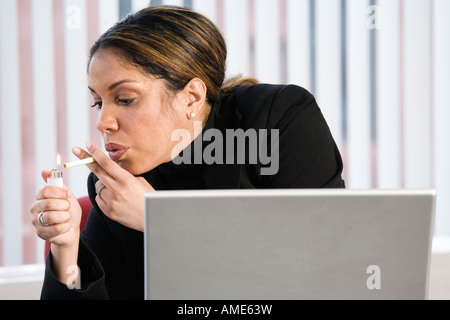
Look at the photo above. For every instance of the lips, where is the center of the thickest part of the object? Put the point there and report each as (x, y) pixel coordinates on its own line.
(115, 151)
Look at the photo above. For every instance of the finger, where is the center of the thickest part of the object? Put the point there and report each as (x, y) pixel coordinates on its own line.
(104, 162)
(50, 205)
(45, 174)
(102, 204)
(49, 233)
(80, 153)
(53, 217)
(145, 184)
(49, 192)
(99, 186)
(95, 167)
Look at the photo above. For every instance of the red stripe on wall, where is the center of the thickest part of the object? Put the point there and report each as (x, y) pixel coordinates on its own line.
(221, 15)
(59, 27)
(27, 125)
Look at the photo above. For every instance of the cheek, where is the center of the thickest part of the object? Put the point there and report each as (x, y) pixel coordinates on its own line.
(150, 150)
(153, 130)
(152, 138)
(159, 124)
(151, 133)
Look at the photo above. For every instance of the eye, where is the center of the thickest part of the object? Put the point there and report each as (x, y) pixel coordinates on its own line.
(125, 102)
(97, 105)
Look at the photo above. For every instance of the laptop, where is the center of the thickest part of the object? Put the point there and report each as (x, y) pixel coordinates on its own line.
(327, 244)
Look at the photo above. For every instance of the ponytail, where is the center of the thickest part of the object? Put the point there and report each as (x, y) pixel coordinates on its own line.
(238, 80)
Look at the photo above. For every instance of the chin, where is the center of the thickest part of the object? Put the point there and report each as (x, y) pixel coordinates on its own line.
(135, 170)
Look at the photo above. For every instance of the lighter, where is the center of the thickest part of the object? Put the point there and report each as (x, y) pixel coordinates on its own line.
(56, 176)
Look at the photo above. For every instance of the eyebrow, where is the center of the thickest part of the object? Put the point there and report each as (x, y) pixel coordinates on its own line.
(114, 85)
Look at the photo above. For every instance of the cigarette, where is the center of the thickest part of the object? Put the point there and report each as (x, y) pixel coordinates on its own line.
(78, 163)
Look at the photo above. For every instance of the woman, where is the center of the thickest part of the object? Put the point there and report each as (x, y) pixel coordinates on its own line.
(152, 75)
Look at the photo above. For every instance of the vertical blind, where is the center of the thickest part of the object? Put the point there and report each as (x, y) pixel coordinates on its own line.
(379, 70)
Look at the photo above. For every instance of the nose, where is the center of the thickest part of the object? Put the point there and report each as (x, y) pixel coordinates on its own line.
(107, 120)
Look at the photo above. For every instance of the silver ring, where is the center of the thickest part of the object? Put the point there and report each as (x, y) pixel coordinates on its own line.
(99, 187)
(41, 220)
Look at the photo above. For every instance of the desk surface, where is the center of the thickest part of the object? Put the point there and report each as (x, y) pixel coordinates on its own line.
(439, 282)
(440, 277)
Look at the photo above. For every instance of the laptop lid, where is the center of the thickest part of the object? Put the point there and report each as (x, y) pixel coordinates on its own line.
(288, 244)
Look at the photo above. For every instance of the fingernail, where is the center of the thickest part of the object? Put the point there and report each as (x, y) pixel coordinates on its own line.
(88, 145)
(76, 151)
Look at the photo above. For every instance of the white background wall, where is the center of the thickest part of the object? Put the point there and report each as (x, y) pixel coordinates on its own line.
(379, 70)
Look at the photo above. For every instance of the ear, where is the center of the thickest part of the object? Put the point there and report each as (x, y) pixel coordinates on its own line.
(195, 95)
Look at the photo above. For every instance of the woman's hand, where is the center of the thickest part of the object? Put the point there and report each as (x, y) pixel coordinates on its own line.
(61, 213)
(56, 215)
(122, 197)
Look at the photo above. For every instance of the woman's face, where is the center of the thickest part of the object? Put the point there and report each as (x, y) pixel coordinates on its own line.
(137, 114)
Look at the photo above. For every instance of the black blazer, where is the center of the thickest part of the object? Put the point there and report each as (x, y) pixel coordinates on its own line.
(111, 256)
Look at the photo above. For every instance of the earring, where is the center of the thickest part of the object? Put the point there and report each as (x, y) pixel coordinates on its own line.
(192, 115)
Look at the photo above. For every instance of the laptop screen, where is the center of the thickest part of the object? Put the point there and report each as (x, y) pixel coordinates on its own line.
(288, 244)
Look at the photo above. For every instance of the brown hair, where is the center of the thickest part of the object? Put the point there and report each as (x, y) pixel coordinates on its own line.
(175, 44)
